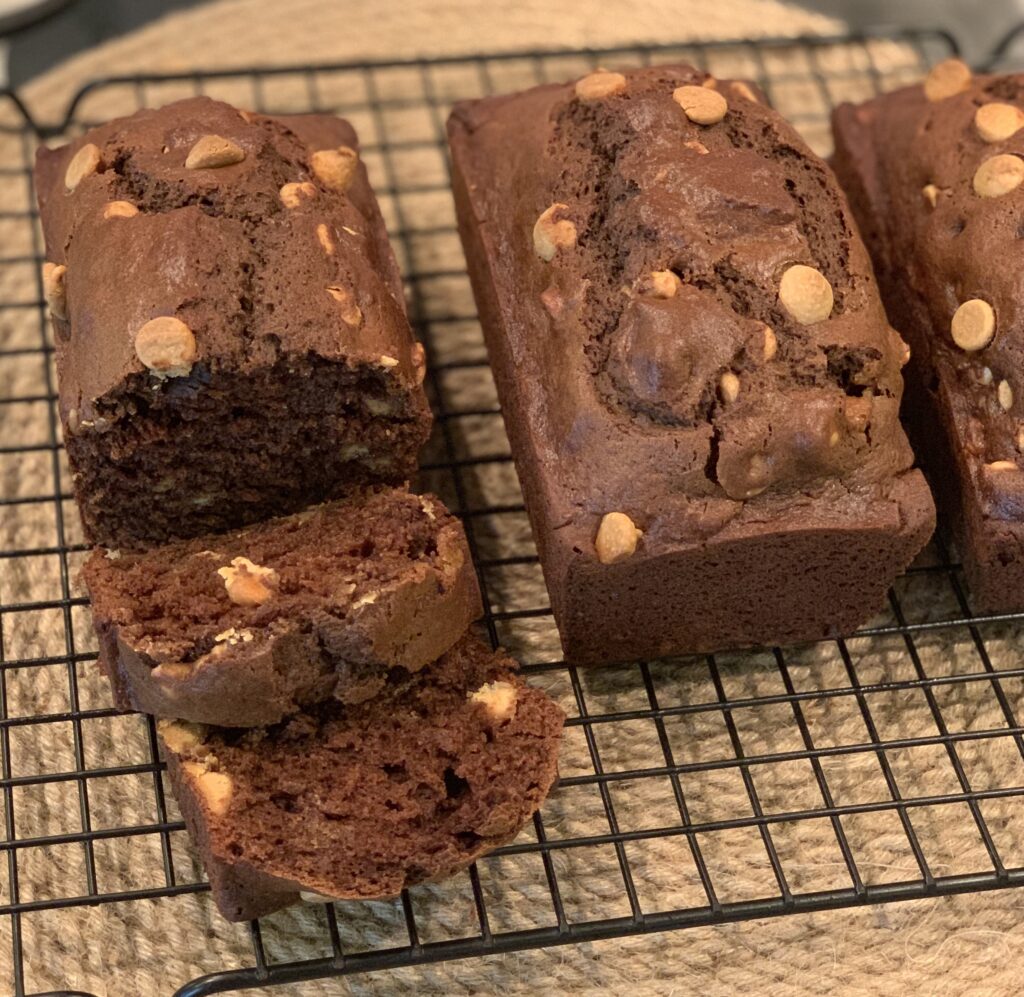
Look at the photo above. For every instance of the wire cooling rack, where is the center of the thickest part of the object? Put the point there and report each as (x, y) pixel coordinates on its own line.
(886, 766)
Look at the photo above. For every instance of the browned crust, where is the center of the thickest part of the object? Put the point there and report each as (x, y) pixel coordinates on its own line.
(707, 595)
(990, 548)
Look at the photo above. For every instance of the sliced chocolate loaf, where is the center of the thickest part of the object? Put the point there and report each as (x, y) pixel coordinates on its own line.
(699, 383)
(230, 328)
(361, 801)
(245, 628)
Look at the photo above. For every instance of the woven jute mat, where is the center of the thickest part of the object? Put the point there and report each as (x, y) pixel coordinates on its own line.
(963, 945)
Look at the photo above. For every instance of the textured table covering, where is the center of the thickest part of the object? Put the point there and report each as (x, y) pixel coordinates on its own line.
(961, 945)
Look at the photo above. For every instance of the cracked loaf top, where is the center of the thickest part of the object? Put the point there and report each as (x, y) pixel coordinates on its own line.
(231, 334)
(694, 315)
(230, 212)
(938, 168)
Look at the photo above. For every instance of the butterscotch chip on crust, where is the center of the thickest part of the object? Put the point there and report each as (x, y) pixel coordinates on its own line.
(599, 85)
(743, 90)
(999, 176)
(701, 105)
(212, 152)
(617, 538)
(996, 122)
(84, 163)
(166, 346)
(294, 194)
(120, 209)
(54, 275)
(974, 325)
(946, 79)
(335, 168)
(806, 294)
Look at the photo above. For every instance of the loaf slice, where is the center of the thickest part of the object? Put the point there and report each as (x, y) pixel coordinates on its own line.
(230, 329)
(245, 628)
(361, 801)
(698, 380)
(933, 175)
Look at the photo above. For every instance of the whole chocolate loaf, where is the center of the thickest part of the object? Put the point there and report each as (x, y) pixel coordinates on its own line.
(242, 629)
(229, 321)
(698, 380)
(934, 176)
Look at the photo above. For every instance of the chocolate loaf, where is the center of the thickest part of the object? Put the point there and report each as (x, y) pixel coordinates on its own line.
(243, 629)
(230, 328)
(362, 801)
(932, 172)
(698, 380)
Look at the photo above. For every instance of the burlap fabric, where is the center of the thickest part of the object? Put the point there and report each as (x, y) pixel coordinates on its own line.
(961, 945)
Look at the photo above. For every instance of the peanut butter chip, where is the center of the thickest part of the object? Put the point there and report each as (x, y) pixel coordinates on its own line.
(729, 387)
(741, 89)
(215, 788)
(931, 193)
(1002, 465)
(698, 147)
(617, 537)
(806, 294)
(551, 233)
(335, 167)
(323, 234)
(53, 289)
(664, 284)
(419, 361)
(599, 85)
(120, 209)
(700, 104)
(497, 698)
(212, 152)
(1005, 395)
(771, 343)
(998, 122)
(386, 361)
(973, 325)
(351, 313)
(1020, 438)
(293, 194)
(999, 175)
(87, 160)
(946, 78)
(248, 584)
(181, 735)
(166, 346)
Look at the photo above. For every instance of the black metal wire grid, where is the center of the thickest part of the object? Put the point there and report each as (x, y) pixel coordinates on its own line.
(882, 767)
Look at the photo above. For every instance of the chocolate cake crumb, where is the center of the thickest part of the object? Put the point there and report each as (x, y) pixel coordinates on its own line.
(362, 801)
(245, 628)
